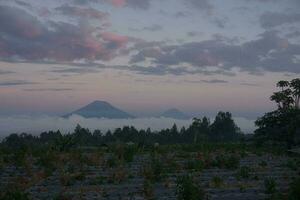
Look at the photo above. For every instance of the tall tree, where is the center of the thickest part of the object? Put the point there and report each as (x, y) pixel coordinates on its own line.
(283, 124)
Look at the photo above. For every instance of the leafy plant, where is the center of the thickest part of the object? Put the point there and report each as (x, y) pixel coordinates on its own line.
(263, 163)
(186, 189)
(292, 164)
(217, 181)
(244, 172)
(148, 190)
(14, 194)
(294, 190)
(129, 153)
(197, 165)
(270, 185)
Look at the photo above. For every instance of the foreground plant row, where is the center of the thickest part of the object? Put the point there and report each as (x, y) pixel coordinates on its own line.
(127, 171)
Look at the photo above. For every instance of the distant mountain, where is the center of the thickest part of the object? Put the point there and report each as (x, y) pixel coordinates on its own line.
(175, 114)
(100, 109)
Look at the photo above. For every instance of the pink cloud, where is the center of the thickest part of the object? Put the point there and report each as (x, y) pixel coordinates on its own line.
(118, 40)
(118, 3)
(83, 12)
(64, 42)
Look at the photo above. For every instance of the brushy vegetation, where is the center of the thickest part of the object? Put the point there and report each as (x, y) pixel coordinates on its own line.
(188, 190)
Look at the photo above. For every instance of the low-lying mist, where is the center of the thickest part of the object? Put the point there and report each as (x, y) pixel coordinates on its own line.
(37, 124)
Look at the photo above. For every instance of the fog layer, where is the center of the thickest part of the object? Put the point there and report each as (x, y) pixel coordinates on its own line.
(38, 124)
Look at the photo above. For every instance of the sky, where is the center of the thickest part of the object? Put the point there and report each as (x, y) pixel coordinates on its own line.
(146, 56)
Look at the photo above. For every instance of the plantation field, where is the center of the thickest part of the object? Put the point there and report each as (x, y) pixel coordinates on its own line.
(128, 171)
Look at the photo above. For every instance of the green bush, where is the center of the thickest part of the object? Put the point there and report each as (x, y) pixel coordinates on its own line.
(270, 185)
(112, 162)
(232, 162)
(187, 190)
(291, 164)
(14, 194)
(148, 189)
(226, 161)
(154, 172)
(217, 181)
(197, 165)
(294, 190)
(263, 163)
(244, 172)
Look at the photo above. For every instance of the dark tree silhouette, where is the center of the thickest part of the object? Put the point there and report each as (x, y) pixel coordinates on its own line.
(283, 124)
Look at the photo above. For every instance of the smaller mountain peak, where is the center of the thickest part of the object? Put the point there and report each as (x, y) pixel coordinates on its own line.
(175, 114)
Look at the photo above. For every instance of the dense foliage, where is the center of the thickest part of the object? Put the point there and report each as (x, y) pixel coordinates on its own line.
(283, 124)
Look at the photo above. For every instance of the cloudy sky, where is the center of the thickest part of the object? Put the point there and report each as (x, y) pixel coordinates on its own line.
(146, 56)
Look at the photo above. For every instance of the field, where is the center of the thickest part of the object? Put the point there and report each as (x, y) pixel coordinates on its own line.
(128, 171)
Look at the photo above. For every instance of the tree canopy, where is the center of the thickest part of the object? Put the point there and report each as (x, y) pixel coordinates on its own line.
(283, 124)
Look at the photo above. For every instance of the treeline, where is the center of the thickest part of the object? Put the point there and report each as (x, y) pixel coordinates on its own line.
(201, 130)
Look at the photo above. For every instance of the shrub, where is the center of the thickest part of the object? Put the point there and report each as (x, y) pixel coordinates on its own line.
(148, 190)
(217, 182)
(187, 190)
(263, 163)
(129, 153)
(294, 190)
(99, 180)
(14, 194)
(195, 165)
(224, 161)
(244, 172)
(112, 162)
(291, 164)
(270, 185)
(153, 172)
(232, 162)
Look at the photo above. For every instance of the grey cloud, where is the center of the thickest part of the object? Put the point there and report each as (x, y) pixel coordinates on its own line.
(203, 5)
(154, 27)
(180, 14)
(213, 81)
(48, 89)
(268, 53)
(82, 12)
(273, 19)
(250, 84)
(155, 70)
(293, 34)
(194, 33)
(144, 4)
(220, 22)
(16, 82)
(3, 72)
(161, 70)
(78, 70)
(23, 3)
